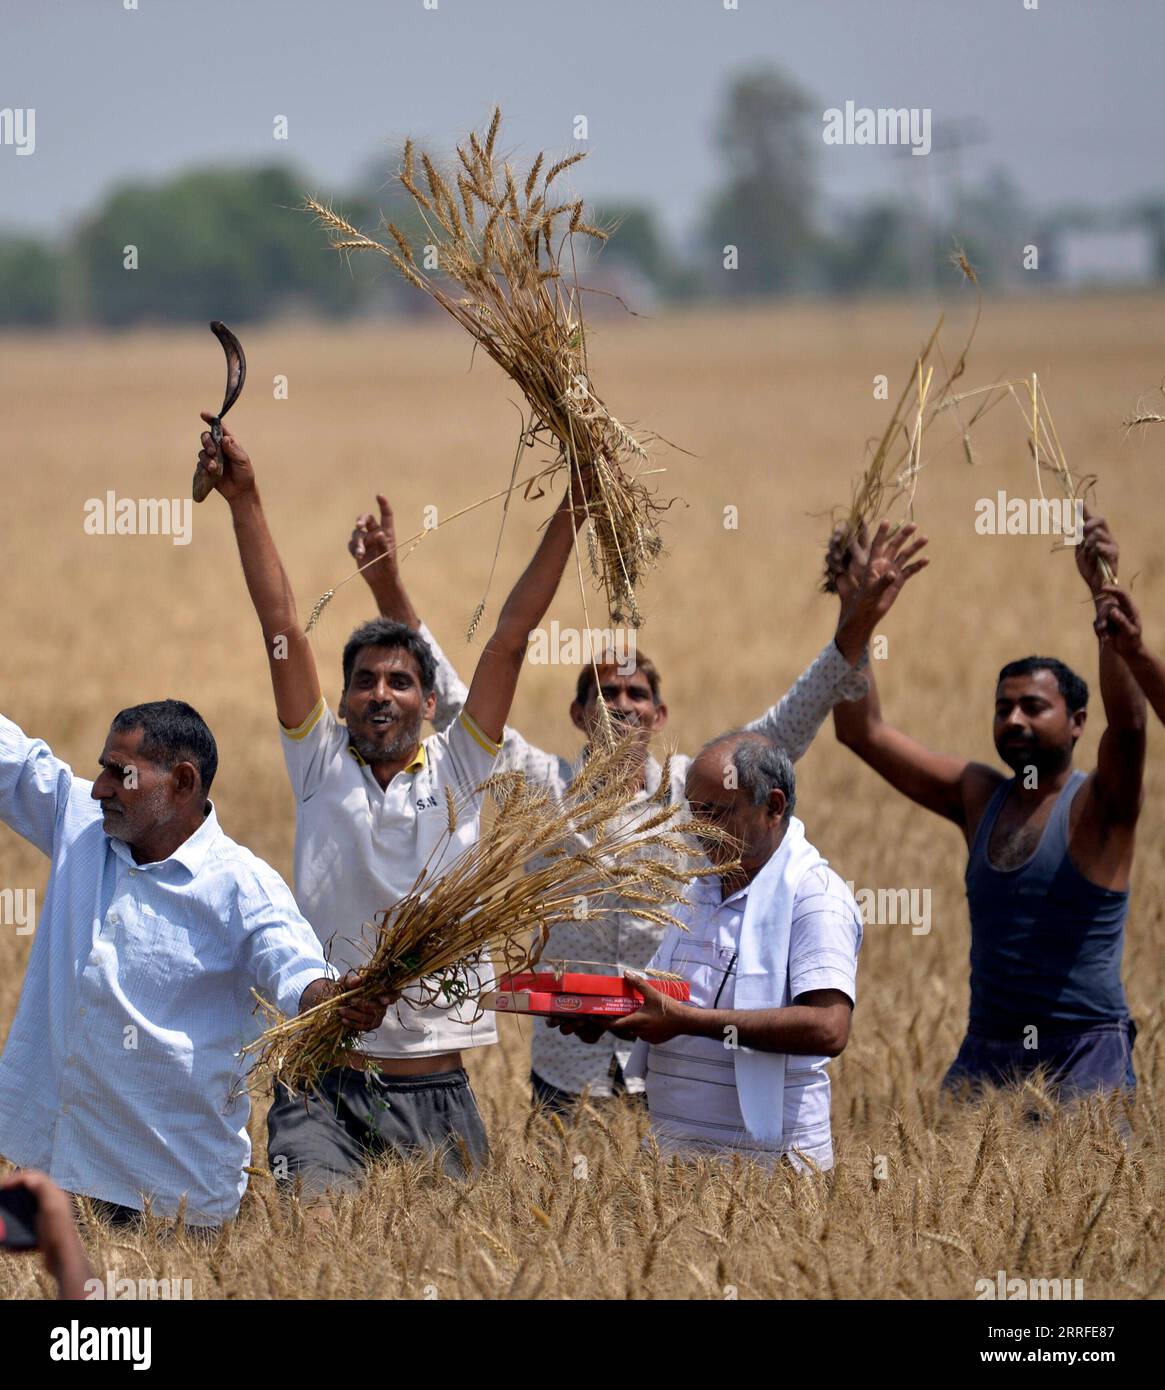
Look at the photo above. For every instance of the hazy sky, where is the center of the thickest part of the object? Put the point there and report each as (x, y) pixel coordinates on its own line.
(1068, 96)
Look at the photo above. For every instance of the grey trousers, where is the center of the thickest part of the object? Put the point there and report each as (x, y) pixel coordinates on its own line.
(325, 1138)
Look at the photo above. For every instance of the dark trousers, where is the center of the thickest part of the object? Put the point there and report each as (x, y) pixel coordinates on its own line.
(114, 1214)
(325, 1137)
(1076, 1064)
(559, 1102)
(130, 1219)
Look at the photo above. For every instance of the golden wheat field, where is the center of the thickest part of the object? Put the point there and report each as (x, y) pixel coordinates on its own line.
(775, 407)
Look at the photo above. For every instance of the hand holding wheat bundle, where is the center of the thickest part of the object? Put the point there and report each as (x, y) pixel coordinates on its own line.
(588, 855)
(502, 239)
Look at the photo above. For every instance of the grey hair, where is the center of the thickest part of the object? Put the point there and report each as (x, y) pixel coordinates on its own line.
(762, 765)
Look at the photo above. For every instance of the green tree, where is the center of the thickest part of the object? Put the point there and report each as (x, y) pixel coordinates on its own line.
(379, 198)
(766, 206)
(210, 243)
(636, 241)
(872, 252)
(30, 282)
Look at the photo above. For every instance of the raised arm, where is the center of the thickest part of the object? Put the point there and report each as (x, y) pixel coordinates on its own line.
(293, 669)
(1120, 760)
(491, 692)
(793, 722)
(1120, 621)
(834, 674)
(373, 546)
(34, 786)
(935, 780)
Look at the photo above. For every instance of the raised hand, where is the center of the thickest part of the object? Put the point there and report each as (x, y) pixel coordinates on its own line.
(1118, 621)
(1098, 544)
(374, 539)
(872, 581)
(845, 561)
(229, 468)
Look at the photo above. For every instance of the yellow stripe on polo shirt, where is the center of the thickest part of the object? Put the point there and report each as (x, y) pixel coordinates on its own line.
(419, 761)
(478, 735)
(301, 731)
(417, 764)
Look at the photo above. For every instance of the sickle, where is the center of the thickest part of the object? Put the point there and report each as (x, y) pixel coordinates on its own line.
(236, 376)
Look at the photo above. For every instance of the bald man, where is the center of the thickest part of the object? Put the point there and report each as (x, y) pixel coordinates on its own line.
(770, 955)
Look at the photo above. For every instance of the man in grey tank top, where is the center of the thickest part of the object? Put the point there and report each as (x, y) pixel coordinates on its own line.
(1051, 851)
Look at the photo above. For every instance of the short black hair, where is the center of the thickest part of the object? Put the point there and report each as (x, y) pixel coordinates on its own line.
(172, 733)
(644, 666)
(1072, 687)
(384, 632)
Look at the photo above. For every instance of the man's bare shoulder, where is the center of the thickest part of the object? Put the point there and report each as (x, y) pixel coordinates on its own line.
(980, 783)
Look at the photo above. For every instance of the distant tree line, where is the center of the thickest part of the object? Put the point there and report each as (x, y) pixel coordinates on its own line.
(230, 242)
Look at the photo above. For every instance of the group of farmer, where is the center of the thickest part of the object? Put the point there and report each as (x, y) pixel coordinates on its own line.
(122, 1076)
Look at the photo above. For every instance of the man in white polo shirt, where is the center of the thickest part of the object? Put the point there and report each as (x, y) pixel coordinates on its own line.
(371, 813)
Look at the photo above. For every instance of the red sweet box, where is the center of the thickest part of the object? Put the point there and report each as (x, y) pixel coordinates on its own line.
(615, 986)
(558, 1005)
(544, 992)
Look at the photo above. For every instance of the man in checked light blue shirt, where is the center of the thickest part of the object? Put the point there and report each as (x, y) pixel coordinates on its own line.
(120, 1076)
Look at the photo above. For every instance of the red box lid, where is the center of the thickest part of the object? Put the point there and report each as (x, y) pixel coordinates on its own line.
(571, 982)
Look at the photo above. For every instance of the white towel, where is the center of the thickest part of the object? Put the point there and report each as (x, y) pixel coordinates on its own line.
(761, 972)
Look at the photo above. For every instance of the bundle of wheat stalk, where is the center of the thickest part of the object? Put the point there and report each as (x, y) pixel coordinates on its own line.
(1048, 455)
(1043, 443)
(891, 476)
(503, 240)
(586, 856)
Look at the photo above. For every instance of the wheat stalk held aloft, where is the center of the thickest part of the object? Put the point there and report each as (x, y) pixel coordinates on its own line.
(499, 240)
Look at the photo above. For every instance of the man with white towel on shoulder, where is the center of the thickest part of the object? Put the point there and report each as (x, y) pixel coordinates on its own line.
(770, 956)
